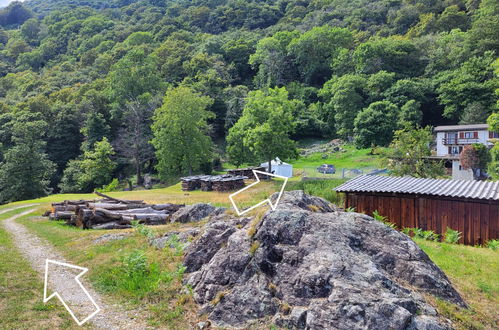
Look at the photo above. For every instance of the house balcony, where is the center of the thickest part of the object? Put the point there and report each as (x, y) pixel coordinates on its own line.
(454, 141)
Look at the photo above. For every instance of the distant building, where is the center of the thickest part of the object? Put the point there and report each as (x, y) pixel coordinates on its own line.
(279, 167)
(452, 139)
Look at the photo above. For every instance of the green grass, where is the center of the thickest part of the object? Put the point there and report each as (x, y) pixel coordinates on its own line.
(21, 291)
(128, 272)
(474, 272)
(321, 188)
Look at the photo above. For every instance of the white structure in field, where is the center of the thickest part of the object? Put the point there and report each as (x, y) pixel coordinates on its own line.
(279, 167)
(452, 139)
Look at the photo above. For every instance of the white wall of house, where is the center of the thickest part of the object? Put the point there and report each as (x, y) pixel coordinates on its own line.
(458, 173)
(443, 149)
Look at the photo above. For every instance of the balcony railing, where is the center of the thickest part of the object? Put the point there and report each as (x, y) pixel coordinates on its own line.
(453, 141)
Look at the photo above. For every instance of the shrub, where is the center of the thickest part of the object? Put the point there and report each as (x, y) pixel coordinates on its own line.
(418, 232)
(407, 231)
(383, 219)
(452, 236)
(143, 229)
(113, 186)
(493, 244)
(430, 235)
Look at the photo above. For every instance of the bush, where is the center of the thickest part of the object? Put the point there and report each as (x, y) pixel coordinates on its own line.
(143, 230)
(493, 244)
(113, 186)
(452, 236)
(383, 219)
(430, 235)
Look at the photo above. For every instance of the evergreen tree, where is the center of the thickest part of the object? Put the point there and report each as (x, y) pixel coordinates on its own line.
(26, 170)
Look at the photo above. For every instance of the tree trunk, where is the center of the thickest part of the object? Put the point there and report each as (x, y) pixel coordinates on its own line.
(140, 179)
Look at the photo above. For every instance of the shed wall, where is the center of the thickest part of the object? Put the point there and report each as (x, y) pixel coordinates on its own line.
(477, 220)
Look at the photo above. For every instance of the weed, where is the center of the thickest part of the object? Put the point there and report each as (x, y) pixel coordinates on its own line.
(493, 244)
(418, 232)
(285, 308)
(313, 208)
(173, 242)
(143, 229)
(321, 188)
(350, 209)
(430, 235)
(254, 246)
(218, 298)
(407, 231)
(452, 236)
(383, 219)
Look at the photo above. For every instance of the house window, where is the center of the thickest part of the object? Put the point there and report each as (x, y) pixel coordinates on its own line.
(493, 135)
(468, 135)
(455, 150)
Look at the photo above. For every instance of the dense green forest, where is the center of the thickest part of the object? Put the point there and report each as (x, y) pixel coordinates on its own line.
(92, 90)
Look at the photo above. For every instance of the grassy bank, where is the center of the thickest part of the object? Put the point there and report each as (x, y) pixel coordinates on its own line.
(127, 271)
(21, 291)
(474, 272)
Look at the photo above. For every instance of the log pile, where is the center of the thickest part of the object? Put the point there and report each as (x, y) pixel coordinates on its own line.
(248, 172)
(219, 183)
(111, 213)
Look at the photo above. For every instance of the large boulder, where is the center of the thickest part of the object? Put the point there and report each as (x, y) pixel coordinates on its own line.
(316, 270)
(196, 212)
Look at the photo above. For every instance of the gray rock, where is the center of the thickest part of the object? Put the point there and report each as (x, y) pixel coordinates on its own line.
(196, 212)
(298, 200)
(334, 270)
(184, 237)
(109, 237)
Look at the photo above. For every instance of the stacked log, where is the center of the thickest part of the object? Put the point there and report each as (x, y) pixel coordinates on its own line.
(248, 172)
(221, 183)
(111, 213)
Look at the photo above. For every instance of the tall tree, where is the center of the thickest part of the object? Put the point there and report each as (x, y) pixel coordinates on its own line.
(180, 132)
(26, 170)
(265, 127)
(97, 166)
(408, 153)
(133, 139)
(375, 124)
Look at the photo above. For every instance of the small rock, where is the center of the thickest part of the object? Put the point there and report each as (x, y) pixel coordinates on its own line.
(204, 325)
(109, 237)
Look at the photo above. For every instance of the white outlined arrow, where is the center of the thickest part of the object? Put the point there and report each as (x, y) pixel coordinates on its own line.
(56, 294)
(268, 201)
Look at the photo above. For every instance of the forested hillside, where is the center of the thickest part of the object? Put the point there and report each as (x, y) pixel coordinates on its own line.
(83, 82)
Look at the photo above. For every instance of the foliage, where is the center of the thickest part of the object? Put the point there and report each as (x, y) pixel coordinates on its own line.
(475, 156)
(26, 171)
(97, 166)
(452, 236)
(407, 152)
(374, 126)
(112, 186)
(383, 219)
(264, 128)
(180, 131)
(143, 229)
(493, 244)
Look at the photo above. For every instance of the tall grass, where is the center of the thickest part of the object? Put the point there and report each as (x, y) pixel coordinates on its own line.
(321, 188)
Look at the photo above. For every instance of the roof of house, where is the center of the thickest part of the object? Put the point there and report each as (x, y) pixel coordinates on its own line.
(275, 162)
(437, 187)
(461, 127)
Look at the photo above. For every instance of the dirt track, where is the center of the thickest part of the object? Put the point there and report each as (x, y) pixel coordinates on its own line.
(37, 250)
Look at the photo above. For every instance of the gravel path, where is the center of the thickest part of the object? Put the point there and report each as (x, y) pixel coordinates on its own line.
(37, 250)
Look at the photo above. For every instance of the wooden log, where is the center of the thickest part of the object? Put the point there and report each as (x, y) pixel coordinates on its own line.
(84, 218)
(167, 207)
(123, 201)
(104, 213)
(111, 225)
(109, 206)
(63, 215)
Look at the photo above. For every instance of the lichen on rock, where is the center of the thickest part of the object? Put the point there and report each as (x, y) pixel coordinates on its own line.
(330, 269)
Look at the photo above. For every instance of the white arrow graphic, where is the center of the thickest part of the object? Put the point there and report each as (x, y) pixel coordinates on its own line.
(56, 294)
(266, 201)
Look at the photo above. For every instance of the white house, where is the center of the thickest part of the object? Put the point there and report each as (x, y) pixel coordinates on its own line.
(279, 167)
(452, 139)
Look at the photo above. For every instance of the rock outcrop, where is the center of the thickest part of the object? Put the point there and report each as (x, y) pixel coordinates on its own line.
(196, 212)
(315, 270)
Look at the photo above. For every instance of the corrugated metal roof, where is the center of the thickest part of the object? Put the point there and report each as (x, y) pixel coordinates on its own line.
(437, 187)
(461, 127)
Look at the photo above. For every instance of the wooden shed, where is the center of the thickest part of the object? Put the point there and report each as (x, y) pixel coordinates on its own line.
(471, 207)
